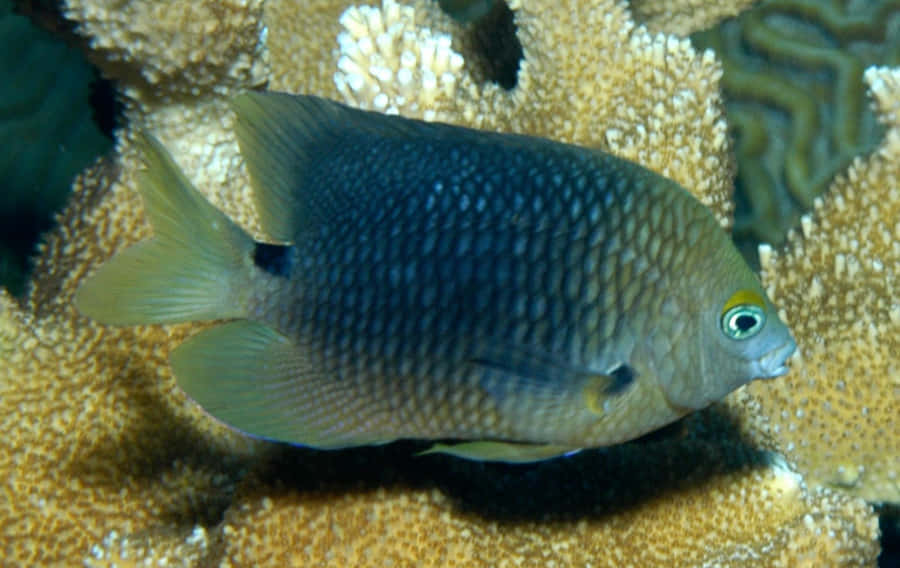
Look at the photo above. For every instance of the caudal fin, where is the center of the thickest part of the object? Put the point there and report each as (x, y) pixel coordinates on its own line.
(192, 268)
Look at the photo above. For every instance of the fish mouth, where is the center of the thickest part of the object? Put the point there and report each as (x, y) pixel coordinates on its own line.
(774, 363)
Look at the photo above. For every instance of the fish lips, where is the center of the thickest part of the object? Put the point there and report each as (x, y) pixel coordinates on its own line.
(774, 363)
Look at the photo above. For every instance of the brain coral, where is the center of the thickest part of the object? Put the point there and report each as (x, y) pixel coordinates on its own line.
(108, 464)
(795, 99)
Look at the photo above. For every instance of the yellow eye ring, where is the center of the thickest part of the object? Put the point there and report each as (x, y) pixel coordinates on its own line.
(743, 321)
(743, 297)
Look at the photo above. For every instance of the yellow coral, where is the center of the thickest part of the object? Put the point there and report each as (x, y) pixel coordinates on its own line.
(302, 41)
(107, 462)
(838, 283)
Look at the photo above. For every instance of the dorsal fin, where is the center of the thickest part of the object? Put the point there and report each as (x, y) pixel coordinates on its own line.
(281, 136)
(294, 144)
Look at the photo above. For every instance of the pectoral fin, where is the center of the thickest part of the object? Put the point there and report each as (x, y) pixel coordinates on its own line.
(508, 452)
(531, 371)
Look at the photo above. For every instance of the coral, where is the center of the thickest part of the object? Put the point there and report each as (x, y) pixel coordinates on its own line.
(108, 463)
(794, 95)
(95, 437)
(838, 282)
(301, 62)
(682, 17)
(46, 132)
(636, 505)
(175, 47)
(624, 108)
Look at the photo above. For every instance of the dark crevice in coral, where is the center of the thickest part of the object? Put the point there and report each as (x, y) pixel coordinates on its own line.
(465, 11)
(494, 35)
(19, 233)
(46, 14)
(106, 105)
(491, 33)
(889, 524)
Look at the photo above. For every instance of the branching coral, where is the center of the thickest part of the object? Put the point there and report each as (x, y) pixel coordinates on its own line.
(838, 282)
(176, 47)
(109, 463)
(95, 437)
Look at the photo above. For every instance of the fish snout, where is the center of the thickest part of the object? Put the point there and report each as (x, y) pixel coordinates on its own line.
(774, 363)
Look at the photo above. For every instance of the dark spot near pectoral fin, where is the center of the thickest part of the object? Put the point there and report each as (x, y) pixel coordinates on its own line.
(622, 376)
(277, 260)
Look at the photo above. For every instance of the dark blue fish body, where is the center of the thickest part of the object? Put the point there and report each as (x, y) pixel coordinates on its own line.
(440, 282)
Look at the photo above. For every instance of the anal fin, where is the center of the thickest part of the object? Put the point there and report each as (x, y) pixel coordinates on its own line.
(256, 380)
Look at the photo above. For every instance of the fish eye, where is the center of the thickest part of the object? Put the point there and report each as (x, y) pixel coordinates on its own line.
(743, 315)
(743, 321)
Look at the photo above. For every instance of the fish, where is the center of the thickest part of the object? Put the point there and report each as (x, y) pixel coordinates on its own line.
(505, 297)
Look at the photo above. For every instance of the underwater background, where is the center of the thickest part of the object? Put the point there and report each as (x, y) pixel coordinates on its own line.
(56, 119)
(798, 114)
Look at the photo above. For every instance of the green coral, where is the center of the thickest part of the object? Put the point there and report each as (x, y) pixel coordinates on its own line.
(46, 131)
(795, 100)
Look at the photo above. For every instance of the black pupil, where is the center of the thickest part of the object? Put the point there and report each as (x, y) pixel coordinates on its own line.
(745, 323)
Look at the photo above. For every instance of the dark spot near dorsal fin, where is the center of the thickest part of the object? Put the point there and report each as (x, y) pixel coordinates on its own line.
(277, 260)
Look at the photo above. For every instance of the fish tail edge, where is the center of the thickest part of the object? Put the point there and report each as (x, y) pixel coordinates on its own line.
(190, 270)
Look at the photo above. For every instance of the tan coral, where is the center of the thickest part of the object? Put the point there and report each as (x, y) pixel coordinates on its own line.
(687, 502)
(302, 44)
(838, 283)
(652, 99)
(176, 47)
(94, 437)
(108, 462)
(684, 17)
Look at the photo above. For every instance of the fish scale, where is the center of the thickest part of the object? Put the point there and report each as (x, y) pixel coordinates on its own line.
(524, 296)
(472, 302)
